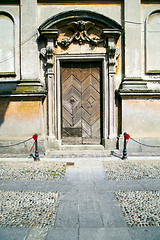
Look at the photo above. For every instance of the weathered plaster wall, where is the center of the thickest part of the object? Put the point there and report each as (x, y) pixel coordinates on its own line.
(29, 48)
(21, 108)
(141, 117)
(132, 25)
(20, 118)
(46, 11)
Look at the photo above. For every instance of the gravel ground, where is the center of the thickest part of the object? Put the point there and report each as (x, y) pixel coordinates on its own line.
(28, 209)
(32, 170)
(140, 208)
(129, 169)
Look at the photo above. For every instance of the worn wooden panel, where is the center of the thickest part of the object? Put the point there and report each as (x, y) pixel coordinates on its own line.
(81, 110)
(91, 105)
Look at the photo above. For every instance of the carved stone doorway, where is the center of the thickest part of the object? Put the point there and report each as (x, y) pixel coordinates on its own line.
(81, 93)
(73, 37)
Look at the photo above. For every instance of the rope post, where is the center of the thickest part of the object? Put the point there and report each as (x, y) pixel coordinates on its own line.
(36, 158)
(126, 139)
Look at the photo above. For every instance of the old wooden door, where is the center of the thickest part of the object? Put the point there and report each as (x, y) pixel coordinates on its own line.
(81, 102)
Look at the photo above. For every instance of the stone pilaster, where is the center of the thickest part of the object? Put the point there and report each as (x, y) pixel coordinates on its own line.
(110, 37)
(48, 52)
(111, 86)
(29, 48)
(132, 30)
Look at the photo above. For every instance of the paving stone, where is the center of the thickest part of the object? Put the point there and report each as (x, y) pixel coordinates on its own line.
(22, 185)
(11, 233)
(145, 233)
(91, 205)
(112, 215)
(90, 219)
(61, 233)
(106, 197)
(37, 234)
(152, 184)
(104, 234)
(67, 215)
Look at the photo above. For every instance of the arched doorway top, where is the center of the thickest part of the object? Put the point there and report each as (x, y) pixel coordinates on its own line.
(60, 19)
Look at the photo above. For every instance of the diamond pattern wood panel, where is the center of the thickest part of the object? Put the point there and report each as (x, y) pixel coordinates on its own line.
(81, 115)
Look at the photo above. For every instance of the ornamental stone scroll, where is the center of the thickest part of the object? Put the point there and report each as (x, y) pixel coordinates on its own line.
(48, 51)
(80, 34)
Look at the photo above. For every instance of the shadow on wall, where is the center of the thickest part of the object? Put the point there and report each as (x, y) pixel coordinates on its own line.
(20, 118)
(6, 91)
(3, 108)
(4, 103)
(21, 113)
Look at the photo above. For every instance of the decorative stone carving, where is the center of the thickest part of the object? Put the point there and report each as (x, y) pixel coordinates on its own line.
(117, 54)
(80, 29)
(47, 53)
(43, 52)
(111, 52)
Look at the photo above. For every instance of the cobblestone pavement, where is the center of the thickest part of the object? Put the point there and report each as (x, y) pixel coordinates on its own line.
(100, 201)
(132, 169)
(31, 208)
(140, 208)
(30, 170)
(28, 209)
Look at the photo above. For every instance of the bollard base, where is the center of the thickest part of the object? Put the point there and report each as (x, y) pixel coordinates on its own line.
(36, 159)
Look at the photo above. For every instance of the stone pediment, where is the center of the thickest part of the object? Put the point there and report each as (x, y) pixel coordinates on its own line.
(63, 18)
(79, 27)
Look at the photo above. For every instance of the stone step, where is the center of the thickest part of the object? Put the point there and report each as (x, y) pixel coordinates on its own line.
(80, 153)
(82, 147)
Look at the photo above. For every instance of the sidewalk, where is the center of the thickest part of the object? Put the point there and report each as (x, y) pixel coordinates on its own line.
(88, 208)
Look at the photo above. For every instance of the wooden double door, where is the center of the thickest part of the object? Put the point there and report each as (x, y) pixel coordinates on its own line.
(81, 103)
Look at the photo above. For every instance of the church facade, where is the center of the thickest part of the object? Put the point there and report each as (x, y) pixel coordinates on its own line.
(80, 74)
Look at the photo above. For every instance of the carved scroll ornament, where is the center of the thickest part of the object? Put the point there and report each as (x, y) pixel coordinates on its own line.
(80, 29)
(47, 54)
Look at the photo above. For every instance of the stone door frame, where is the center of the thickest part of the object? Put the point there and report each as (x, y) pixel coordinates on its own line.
(108, 89)
(108, 82)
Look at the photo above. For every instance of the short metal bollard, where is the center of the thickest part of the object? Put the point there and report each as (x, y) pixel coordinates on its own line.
(126, 139)
(36, 158)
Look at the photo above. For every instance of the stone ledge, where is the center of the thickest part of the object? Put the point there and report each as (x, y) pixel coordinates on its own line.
(26, 87)
(7, 74)
(138, 92)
